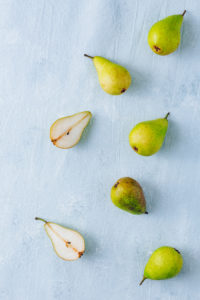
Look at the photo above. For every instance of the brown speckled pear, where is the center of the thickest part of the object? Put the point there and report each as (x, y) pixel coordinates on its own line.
(128, 195)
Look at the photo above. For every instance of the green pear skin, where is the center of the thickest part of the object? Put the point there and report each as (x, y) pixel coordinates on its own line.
(165, 262)
(113, 78)
(164, 36)
(128, 195)
(146, 138)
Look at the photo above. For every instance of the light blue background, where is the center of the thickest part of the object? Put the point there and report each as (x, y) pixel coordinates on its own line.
(44, 76)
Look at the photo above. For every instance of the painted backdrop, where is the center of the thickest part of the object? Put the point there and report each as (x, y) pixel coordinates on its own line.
(44, 76)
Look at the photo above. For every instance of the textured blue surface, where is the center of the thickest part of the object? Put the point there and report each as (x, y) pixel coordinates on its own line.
(43, 76)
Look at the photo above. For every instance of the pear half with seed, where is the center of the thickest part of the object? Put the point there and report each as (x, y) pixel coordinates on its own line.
(67, 243)
(66, 132)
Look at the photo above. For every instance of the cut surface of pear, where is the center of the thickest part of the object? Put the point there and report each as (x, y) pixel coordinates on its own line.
(113, 78)
(164, 263)
(146, 138)
(164, 36)
(66, 132)
(67, 243)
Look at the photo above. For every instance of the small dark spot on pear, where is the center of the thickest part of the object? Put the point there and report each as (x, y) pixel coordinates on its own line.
(68, 133)
(177, 250)
(116, 184)
(80, 254)
(156, 48)
(146, 212)
(123, 90)
(135, 148)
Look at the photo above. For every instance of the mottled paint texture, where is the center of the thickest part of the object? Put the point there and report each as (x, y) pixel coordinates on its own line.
(45, 76)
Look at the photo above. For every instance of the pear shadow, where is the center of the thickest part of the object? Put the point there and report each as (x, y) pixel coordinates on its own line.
(151, 196)
(172, 138)
(191, 266)
(86, 133)
(189, 34)
(90, 245)
(139, 81)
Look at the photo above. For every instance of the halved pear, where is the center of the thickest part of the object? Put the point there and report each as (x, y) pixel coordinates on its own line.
(66, 132)
(67, 243)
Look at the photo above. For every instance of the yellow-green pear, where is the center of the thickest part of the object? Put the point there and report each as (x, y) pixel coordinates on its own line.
(113, 78)
(67, 243)
(128, 195)
(164, 36)
(146, 138)
(165, 262)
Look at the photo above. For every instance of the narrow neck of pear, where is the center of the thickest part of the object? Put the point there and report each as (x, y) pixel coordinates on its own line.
(40, 219)
(183, 14)
(86, 55)
(167, 115)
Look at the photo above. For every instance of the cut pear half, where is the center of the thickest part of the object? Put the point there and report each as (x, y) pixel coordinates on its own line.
(66, 132)
(67, 243)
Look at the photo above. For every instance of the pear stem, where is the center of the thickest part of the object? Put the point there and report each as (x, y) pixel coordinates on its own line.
(183, 13)
(143, 279)
(36, 218)
(167, 115)
(86, 55)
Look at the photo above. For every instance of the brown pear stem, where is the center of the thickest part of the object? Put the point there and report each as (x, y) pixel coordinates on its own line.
(183, 13)
(167, 115)
(86, 55)
(36, 218)
(143, 279)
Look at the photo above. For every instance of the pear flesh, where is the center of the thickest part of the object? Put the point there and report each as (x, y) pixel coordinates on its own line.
(67, 243)
(128, 195)
(66, 132)
(146, 138)
(165, 262)
(164, 36)
(113, 78)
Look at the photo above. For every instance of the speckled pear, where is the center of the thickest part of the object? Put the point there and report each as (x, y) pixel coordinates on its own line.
(164, 36)
(165, 262)
(128, 195)
(146, 138)
(113, 78)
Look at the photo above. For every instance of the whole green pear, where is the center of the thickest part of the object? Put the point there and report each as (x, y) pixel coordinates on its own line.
(165, 262)
(164, 36)
(146, 138)
(128, 195)
(113, 78)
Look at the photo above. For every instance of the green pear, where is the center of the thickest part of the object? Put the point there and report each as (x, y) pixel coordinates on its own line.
(164, 36)
(113, 78)
(146, 138)
(128, 195)
(165, 262)
(67, 243)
